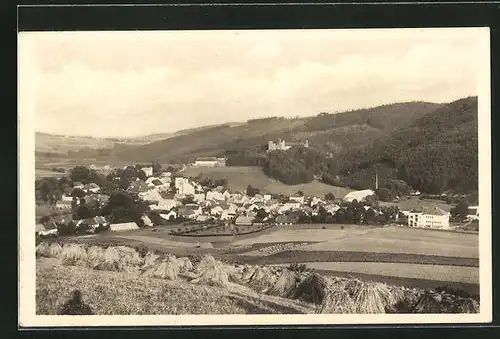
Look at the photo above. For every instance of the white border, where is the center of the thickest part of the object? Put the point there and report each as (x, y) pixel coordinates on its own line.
(28, 318)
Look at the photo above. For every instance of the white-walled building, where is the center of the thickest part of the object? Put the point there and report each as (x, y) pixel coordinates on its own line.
(184, 187)
(210, 162)
(358, 195)
(148, 171)
(435, 218)
(473, 213)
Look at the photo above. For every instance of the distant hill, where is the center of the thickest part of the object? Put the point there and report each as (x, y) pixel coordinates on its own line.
(326, 132)
(436, 152)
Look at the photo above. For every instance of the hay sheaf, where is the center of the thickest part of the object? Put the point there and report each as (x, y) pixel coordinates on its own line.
(129, 256)
(465, 305)
(262, 278)
(43, 250)
(166, 270)
(312, 289)
(150, 260)
(433, 302)
(285, 285)
(337, 302)
(247, 273)
(73, 255)
(211, 272)
(111, 260)
(95, 256)
(185, 265)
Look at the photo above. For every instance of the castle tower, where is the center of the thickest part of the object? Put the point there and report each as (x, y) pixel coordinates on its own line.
(270, 145)
(376, 180)
(306, 144)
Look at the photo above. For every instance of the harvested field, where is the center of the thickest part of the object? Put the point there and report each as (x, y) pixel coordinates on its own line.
(118, 293)
(300, 256)
(412, 271)
(378, 240)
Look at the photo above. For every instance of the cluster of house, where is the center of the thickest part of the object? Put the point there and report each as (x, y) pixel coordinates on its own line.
(179, 197)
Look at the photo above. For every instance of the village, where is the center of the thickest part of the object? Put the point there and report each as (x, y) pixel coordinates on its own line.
(169, 198)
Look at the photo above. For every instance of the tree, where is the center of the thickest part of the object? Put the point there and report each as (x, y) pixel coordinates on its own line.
(261, 214)
(78, 193)
(79, 173)
(460, 211)
(188, 200)
(300, 193)
(384, 194)
(329, 197)
(251, 191)
(156, 168)
(370, 216)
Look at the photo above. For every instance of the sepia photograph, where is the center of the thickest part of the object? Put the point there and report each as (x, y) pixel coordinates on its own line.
(217, 177)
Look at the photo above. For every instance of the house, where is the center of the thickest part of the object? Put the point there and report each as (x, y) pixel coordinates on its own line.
(286, 219)
(217, 210)
(91, 188)
(211, 195)
(172, 215)
(202, 218)
(91, 225)
(210, 162)
(199, 197)
(358, 195)
(315, 201)
(138, 186)
(148, 170)
(147, 221)
(266, 197)
(244, 221)
(39, 228)
(297, 198)
(187, 212)
(65, 203)
(126, 226)
(226, 195)
(473, 213)
(78, 184)
(434, 217)
(184, 187)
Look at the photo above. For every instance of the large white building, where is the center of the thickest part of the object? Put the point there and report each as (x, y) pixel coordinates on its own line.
(435, 218)
(358, 195)
(210, 162)
(184, 187)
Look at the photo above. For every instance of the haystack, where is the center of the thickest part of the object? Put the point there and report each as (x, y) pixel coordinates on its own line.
(337, 302)
(248, 271)
(285, 285)
(312, 289)
(167, 269)
(95, 256)
(371, 298)
(432, 302)
(262, 278)
(206, 245)
(185, 264)
(150, 260)
(111, 260)
(73, 255)
(465, 305)
(129, 256)
(43, 250)
(211, 272)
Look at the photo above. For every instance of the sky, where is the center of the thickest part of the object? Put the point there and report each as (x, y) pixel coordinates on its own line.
(125, 84)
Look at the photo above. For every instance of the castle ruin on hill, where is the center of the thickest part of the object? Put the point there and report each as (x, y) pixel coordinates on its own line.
(281, 145)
